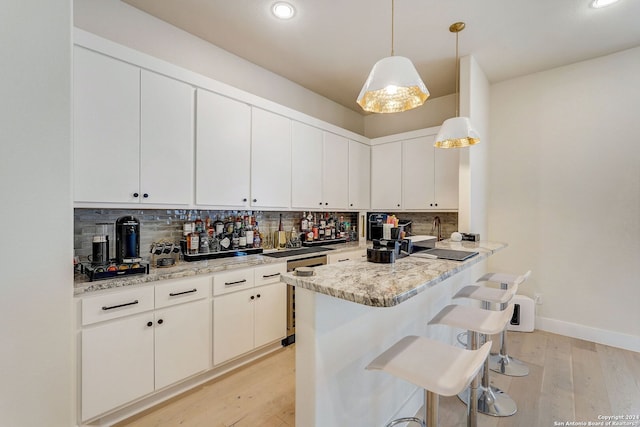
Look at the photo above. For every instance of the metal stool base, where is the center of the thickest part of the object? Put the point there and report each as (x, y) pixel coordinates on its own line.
(507, 365)
(406, 420)
(492, 401)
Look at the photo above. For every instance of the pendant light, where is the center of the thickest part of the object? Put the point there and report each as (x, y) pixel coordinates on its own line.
(393, 84)
(457, 132)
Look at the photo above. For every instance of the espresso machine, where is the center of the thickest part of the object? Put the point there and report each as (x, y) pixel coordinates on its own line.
(127, 240)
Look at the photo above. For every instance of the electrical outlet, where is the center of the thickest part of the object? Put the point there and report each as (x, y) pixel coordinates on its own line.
(537, 298)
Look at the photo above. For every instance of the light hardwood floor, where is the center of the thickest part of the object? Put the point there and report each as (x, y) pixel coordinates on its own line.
(569, 380)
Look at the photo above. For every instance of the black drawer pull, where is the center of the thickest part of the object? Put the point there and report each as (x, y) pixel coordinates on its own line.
(343, 260)
(235, 283)
(266, 276)
(118, 306)
(172, 294)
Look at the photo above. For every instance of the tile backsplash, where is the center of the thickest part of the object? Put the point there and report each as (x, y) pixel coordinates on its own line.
(166, 224)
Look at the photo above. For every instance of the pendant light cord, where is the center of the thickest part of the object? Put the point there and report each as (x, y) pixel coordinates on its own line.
(457, 78)
(392, 15)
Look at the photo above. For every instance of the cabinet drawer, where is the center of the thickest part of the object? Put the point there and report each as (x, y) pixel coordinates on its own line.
(232, 281)
(181, 290)
(269, 273)
(347, 256)
(116, 304)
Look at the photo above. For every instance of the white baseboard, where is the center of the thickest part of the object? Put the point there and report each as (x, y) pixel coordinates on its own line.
(600, 336)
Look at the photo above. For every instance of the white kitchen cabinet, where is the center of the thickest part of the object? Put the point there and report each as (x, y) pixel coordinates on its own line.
(223, 151)
(306, 166)
(358, 254)
(429, 175)
(106, 128)
(166, 140)
(133, 133)
(270, 160)
(359, 176)
(128, 349)
(117, 363)
(248, 317)
(335, 176)
(386, 176)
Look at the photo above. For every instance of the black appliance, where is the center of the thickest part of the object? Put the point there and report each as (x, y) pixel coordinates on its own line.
(127, 240)
(374, 225)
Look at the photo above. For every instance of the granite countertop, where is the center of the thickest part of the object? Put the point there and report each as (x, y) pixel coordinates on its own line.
(82, 285)
(387, 285)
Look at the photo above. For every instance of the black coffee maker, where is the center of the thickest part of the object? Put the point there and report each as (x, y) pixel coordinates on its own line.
(128, 240)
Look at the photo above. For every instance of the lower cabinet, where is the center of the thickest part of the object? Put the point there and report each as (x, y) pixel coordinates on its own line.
(248, 316)
(126, 355)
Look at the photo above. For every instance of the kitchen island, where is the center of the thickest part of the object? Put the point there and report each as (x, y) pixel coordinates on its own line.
(348, 313)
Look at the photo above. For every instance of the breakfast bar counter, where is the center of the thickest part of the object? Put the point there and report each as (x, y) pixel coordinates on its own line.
(348, 313)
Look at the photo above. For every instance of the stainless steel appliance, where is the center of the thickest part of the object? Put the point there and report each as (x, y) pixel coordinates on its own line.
(310, 261)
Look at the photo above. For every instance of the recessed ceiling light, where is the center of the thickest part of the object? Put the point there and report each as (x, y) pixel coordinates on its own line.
(597, 4)
(283, 10)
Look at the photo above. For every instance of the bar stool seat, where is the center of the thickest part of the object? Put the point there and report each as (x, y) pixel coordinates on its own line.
(480, 397)
(502, 362)
(438, 368)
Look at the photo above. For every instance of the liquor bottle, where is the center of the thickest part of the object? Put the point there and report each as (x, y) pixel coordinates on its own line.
(257, 241)
(304, 223)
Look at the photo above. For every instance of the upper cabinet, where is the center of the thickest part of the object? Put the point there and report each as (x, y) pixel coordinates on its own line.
(270, 160)
(386, 178)
(306, 166)
(426, 178)
(335, 172)
(429, 175)
(223, 151)
(133, 133)
(359, 176)
(320, 169)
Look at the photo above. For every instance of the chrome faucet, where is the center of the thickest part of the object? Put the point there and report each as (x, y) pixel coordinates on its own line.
(437, 226)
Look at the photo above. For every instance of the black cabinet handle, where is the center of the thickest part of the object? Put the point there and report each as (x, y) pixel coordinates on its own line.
(266, 276)
(398, 204)
(245, 199)
(326, 204)
(343, 260)
(252, 297)
(160, 321)
(145, 195)
(235, 283)
(320, 204)
(119, 305)
(258, 295)
(135, 194)
(351, 204)
(175, 294)
(436, 204)
(149, 324)
(255, 200)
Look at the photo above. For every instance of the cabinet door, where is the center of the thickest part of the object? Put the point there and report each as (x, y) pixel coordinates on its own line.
(418, 173)
(166, 140)
(182, 342)
(306, 166)
(117, 363)
(386, 176)
(270, 313)
(335, 172)
(223, 151)
(359, 176)
(106, 128)
(270, 160)
(447, 166)
(232, 325)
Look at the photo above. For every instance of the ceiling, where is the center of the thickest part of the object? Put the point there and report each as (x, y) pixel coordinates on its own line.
(330, 46)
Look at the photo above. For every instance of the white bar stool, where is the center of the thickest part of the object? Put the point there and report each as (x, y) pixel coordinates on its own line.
(502, 362)
(440, 369)
(476, 321)
(491, 400)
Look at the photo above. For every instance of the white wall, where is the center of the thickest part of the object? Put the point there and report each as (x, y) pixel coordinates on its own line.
(126, 25)
(36, 280)
(474, 167)
(565, 193)
(432, 113)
